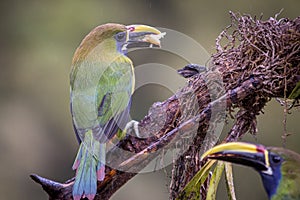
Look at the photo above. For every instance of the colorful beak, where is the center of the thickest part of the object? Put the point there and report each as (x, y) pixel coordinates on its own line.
(143, 36)
(256, 156)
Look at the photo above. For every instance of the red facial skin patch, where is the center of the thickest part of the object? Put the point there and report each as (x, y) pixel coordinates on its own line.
(131, 28)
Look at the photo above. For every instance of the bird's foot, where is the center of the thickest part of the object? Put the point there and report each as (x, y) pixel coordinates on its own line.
(133, 126)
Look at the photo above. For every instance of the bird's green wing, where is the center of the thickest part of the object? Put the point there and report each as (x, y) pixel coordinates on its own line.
(114, 97)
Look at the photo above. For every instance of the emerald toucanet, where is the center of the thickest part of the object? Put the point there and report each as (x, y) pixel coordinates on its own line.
(102, 82)
(279, 168)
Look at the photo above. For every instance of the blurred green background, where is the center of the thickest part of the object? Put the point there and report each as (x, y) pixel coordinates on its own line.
(38, 39)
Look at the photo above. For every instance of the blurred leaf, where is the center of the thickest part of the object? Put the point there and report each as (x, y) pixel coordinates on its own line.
(214, 181)
(229, 181)
(295, 94)
(192, 189)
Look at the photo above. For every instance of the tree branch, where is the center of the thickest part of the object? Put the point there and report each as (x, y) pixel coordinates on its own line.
(258, 60)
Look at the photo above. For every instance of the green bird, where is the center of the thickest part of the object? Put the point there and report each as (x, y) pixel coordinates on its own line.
(279, 168)
(102, 82)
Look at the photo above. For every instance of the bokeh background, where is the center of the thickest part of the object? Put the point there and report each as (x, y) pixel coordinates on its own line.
(38, 39)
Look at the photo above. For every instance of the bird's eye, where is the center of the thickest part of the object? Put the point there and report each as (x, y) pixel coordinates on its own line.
(276, 159)
(120, 36)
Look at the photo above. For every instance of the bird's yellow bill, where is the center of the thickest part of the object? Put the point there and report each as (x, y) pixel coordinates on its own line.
(142, 28)
(231, 146)
(240, 147)
(150, 34)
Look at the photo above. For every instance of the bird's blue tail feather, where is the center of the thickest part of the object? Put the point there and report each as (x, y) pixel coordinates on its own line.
(89, 167)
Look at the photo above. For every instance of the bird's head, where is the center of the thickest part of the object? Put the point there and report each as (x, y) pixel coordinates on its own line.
(273, 164)
(117, 38)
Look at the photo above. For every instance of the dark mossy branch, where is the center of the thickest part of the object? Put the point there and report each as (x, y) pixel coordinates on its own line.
(248, 48)
(258, 60)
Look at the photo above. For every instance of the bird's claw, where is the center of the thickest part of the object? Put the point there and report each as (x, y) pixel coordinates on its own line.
(133, 126)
